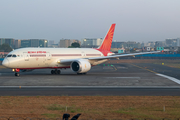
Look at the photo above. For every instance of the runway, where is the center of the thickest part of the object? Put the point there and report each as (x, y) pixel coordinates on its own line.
(105, 79)
(90, 92)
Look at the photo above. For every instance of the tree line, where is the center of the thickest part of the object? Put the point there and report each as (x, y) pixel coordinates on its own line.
(74, 45)
(5, 48)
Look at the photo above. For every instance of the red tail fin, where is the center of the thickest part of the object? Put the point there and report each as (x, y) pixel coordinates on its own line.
(106, 44)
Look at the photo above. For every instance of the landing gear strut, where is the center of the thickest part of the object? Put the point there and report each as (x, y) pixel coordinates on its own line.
(16, 72)
(55, 71)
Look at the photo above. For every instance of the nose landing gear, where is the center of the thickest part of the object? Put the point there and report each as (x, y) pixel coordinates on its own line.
(16, 72)
(55, 71)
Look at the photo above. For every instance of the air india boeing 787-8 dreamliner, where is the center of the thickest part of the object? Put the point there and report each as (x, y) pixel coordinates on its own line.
(80, 60)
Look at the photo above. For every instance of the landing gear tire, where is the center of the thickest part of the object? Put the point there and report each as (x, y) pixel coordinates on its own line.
(52, 71)
(17, 74)
(58, 72)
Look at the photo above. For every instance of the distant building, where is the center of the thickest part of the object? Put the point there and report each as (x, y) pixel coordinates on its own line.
(65, 43)
(43, 43)
(91, 42)
(98, 42)
(51, 42)
(150, 44)
(171, 42)
(178, 42)
(132, 45)
(53, 46)
(17, 44)
(9, 41)
(2, 41)
(129, 44)
(160, 44)
(25, 43)
(117, 44)
(34, 43)
(142, 44)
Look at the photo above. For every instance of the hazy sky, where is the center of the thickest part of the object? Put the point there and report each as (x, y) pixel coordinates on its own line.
(136, 20)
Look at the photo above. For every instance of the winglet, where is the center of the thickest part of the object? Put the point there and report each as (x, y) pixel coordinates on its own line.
(106, 44)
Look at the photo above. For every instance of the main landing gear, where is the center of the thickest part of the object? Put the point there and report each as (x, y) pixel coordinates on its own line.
(55, 71)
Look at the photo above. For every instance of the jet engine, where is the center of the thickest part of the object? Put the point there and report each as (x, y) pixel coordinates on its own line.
(80, 66)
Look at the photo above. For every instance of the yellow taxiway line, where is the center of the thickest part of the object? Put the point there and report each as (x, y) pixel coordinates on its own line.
(145, 69)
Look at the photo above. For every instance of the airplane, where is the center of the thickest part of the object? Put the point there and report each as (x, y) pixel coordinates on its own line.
(80, 60)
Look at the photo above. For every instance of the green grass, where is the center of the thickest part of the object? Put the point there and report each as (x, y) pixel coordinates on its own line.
(62, 108)
(73, 111)
(56, 107)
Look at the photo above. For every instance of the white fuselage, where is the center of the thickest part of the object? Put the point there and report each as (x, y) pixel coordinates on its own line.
(37, 58)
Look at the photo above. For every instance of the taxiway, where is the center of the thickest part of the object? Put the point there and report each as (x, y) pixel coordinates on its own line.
(105, 79)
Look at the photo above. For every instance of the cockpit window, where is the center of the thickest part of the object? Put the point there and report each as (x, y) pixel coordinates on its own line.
(9, 55)
(13, 55)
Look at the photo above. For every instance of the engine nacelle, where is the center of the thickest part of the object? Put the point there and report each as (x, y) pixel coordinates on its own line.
(80, 66)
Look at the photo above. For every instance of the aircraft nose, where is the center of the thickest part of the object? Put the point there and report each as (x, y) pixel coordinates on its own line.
(5, 63)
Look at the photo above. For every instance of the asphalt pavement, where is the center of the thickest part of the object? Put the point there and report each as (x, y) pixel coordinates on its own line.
(105, 79)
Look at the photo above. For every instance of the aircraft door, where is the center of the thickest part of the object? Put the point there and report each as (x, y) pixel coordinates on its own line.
(48, 56)
(83, 54)
(26, 56)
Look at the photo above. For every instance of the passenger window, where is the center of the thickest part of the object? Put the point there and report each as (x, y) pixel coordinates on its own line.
(9, 55)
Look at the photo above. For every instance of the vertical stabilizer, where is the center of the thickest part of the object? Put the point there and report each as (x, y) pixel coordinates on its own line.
(106, 44)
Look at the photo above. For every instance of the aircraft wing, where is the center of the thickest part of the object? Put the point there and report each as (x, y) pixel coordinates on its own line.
(68, 61)
(121, 55)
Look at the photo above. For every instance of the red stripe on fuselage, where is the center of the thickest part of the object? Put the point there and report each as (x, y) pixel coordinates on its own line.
(45, 68)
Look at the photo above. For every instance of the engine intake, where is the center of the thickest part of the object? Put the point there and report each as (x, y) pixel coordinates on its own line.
(80, 66)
